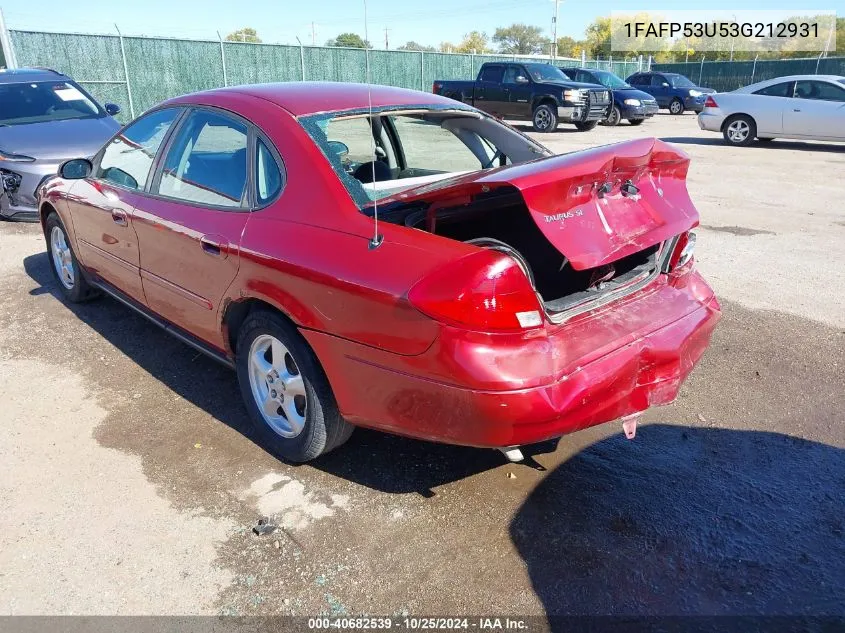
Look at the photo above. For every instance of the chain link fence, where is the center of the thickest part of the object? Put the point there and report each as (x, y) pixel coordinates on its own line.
(726, 75)
(139, 72)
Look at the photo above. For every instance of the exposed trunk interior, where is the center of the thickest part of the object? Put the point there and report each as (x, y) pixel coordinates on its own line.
(500, 220)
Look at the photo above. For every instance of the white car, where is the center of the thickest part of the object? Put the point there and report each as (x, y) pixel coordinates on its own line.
(810, 107)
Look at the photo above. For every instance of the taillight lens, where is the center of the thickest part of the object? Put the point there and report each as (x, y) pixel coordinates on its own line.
(485, 291)
(710, 102)
(683, 252)
(435, 88)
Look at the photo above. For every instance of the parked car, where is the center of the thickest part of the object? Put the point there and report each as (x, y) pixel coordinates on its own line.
(540, 92)
(808, 107)
(628, 103)
(45, 119)
(671, 90)
(459, 283)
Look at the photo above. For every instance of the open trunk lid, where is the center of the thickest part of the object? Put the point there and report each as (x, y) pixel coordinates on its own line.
(594, 206)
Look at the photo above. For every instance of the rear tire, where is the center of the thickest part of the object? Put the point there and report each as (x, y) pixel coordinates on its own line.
(586, 126)
(286, 393)
(63, 263)
(544, 118)
(739, 130)
(676, 106)
(636, 121)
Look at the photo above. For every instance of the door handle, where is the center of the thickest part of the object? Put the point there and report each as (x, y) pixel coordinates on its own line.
(214, 246)
(119, 217)
(796, 110)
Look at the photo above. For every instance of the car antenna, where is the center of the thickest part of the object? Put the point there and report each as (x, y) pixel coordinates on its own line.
(377, 239)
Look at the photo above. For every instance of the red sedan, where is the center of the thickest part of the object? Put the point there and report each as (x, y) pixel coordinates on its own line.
(392, 259)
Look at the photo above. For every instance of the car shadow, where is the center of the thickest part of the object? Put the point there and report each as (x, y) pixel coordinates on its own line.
(565, 128)
(776, 144)
(689, 521)
(214, 388)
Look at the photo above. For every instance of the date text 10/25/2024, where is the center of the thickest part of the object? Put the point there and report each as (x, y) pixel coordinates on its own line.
(420, 623)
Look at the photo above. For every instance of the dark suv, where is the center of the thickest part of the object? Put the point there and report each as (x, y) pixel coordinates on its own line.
(671, 90)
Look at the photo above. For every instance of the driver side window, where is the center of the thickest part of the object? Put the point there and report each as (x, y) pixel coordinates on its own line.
(429, 148)
(127, 159)
(356, 134)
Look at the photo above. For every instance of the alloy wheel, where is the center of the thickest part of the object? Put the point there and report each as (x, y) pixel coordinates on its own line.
(62, 257)
(675, 107)
(738, 131)
(542, 119)
(277, 386)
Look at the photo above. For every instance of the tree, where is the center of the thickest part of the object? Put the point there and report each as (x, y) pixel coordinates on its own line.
(474, 42)
(245, 34)
(414, 46)
(598, 37)
(447, 47)
(519, 39)
(570, 47)
(350, 40)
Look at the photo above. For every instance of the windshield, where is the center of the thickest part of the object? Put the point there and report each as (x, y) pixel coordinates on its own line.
(546, 72)
(679, 81)
(609, 80)
(39, 101)
(397, 149)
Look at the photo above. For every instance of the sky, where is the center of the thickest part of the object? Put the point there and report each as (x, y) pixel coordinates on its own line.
(282, 21)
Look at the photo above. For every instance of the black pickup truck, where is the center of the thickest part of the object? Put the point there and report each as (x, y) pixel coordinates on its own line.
(537, 91)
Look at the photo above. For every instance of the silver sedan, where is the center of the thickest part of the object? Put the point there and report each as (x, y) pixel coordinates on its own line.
(809, 107)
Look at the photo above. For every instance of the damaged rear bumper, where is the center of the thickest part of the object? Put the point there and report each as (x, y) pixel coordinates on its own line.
(638, 356)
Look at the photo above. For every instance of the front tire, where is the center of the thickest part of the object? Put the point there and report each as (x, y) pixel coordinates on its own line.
(676, 106)
(636, 121)
(63, 262)
(614, 118)
(290, 403)
(586, 126)
(739, 130)
(544, 119)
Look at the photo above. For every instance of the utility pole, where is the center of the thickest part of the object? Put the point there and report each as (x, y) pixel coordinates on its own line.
(554, 30)
(386, 41)
(313, 34)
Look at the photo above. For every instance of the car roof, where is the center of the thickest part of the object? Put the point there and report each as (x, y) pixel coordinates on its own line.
(778, 80)
(21, 75)
(312, 97)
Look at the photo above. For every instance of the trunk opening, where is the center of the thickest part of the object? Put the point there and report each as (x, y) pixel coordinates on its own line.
(501, 220)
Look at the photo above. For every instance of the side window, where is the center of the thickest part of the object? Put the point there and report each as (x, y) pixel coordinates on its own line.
(127, 160)
(510, 75)
(639, 80)
(356, 134)
(206, 162)
(585, 77)
(268, 177)
(430, 148)
(658, 80)
(777, 90)
(818, 90)
(492, 73)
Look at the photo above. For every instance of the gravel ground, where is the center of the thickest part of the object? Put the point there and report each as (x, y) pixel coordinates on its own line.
(129, 484)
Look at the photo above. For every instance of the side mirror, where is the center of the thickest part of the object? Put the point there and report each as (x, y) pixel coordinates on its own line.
(112, 108)
(76, 169)
(521, 79)
(665, 85)
(338, 148)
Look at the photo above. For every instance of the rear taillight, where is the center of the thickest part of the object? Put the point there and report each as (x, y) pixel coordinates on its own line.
(485, 291)
(683, 252)
(710, 102)
(435, 88)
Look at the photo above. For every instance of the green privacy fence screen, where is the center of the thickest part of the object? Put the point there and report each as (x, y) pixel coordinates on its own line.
(726, 75)
(139, 72)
